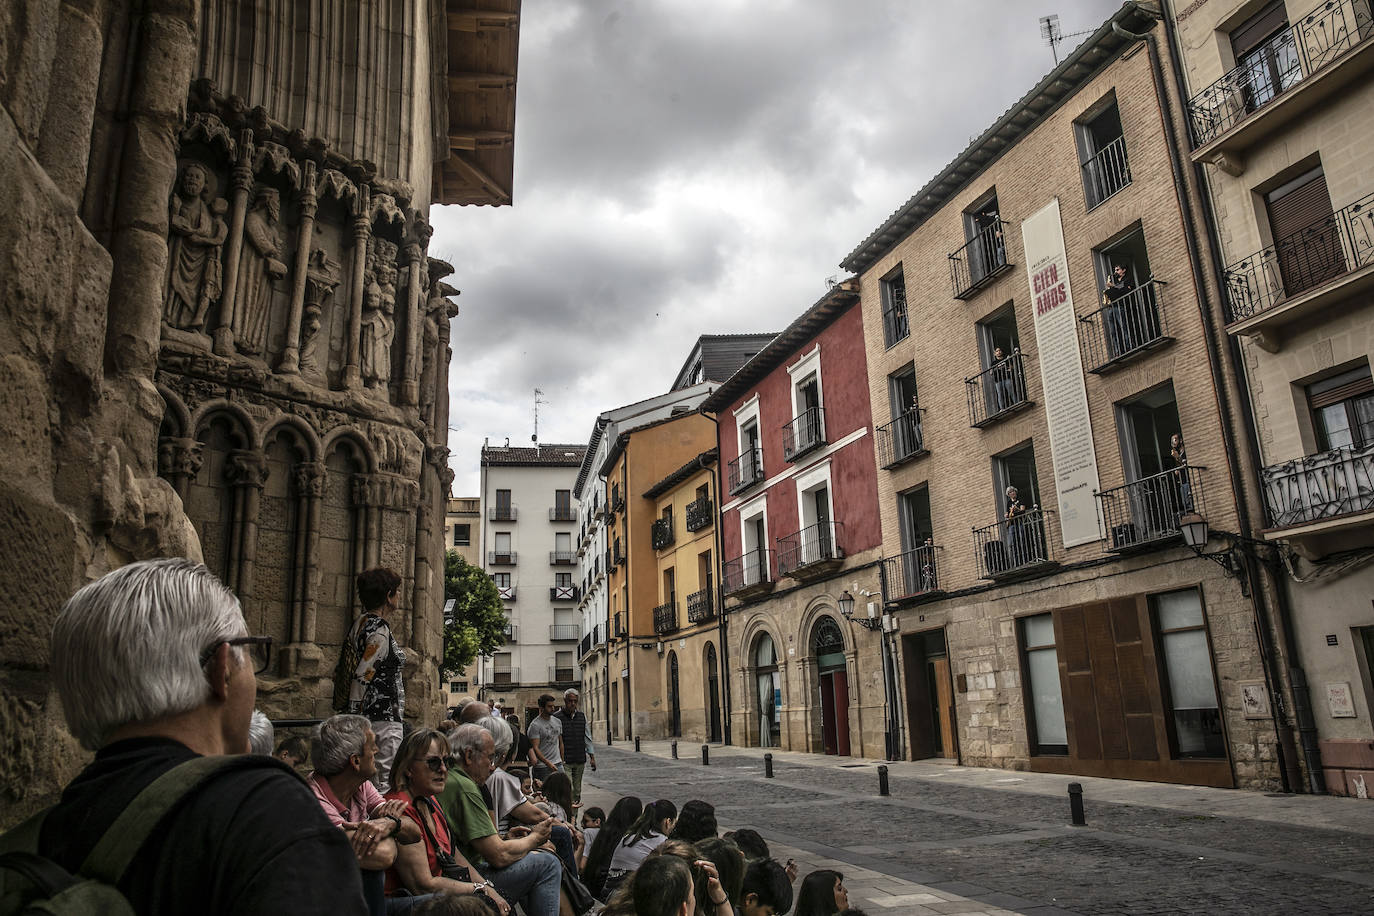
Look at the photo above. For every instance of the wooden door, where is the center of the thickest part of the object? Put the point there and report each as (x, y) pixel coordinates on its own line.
(943, 701)
(839, 682)
(828, 713)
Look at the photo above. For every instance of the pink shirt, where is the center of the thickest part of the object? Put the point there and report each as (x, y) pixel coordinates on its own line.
(363, 803)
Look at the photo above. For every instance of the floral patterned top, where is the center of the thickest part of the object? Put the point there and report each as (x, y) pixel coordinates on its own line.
(377, 691)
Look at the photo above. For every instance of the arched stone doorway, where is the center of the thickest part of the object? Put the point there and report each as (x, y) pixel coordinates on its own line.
(674, 698)
(713, 730)
(769, 685)
(827, 648)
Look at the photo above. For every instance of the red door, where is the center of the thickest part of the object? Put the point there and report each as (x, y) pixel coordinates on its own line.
(840, 702)
(828, 713)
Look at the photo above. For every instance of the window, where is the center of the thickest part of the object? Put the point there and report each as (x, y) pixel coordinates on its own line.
(754, 535)
(457, 686)
(1016, 468)
(562, 579)
(904, 436)
(503, 543)
(1044, 690)
(462, 535)
(1102, 151)
(503, 510)
(501, 671)
(502, 579)
(1307, 241)
(1266, 56)
(1195, 722)
(895, 325)
(1129, 298)
(806, 431)
(1159, 486)
(562, 542)
(1343, 410)
(984, 255)
(562, 506)
(1001, 386)
(670, 586)
(1147, 424)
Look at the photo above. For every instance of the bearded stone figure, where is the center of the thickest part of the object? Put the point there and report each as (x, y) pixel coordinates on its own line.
(259, 266)
(196, 232)
(378, 326)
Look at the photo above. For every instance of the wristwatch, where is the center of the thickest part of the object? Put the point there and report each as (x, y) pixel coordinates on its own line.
(480, 888)
(395, 824)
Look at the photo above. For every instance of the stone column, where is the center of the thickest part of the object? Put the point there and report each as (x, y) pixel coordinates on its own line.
(240, 182)
(362, 232)
(309, 202)
(246, 472)
(310, 481)
(362, 493)
(417, 239)
(178, 462)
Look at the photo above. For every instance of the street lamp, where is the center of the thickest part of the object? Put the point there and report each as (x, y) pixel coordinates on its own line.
(846, 605)
(1196, 533)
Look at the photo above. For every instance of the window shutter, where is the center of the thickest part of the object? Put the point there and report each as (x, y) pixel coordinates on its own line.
(1253, 32)
(1298, 205)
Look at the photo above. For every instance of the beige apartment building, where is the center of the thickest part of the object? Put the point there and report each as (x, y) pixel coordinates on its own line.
(1281, 117)
(1031, 487)
(463, 526)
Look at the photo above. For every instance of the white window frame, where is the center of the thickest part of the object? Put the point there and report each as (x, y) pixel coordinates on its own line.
(808, 365)
(747, 413)
(747, 513)
(806, 483)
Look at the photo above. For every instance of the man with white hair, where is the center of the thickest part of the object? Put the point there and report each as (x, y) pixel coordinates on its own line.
(156, 672)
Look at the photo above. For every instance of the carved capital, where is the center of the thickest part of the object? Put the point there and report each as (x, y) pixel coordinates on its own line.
(246, 469)
(177, 457)
(310, 478)
(308, 198)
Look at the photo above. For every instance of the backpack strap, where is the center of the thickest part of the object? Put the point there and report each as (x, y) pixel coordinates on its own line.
(126, 836)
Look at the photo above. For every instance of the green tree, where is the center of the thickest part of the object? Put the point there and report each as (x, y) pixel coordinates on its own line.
(476, 624)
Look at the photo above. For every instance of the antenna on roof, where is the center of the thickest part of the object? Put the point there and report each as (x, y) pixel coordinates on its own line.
(1051, 33)
(831, 281)
(538, 399)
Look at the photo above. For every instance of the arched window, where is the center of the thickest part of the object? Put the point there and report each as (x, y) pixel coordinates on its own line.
(827, 644)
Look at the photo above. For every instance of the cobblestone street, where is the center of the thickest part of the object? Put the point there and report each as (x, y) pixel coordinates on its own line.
(1011, 848)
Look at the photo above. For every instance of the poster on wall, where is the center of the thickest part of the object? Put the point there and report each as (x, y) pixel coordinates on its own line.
(1061, 374)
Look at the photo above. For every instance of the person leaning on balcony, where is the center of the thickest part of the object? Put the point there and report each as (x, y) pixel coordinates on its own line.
(1178, 453)
(1003, 385)
(1120, 337)
(1016, 511)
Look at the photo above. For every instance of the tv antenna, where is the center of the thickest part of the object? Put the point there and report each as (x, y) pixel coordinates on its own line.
(538, 399)
(1053, 35)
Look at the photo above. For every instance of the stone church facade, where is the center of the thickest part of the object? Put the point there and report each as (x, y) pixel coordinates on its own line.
(225, 336)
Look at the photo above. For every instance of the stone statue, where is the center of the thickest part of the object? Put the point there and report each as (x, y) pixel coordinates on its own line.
(196, 232)
(322, 276)
(378, 324)
(259, 266)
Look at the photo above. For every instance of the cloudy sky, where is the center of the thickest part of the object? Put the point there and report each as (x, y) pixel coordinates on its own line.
(702, 166)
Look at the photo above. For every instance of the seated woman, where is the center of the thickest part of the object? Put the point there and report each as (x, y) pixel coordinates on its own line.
(822, 894)
(598, 858)
(418, 774)
(558, 805)
(644, 836)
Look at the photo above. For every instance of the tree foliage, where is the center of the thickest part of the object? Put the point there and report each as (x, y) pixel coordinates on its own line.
(477, 622)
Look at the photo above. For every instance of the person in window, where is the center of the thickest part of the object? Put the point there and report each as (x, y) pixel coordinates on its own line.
(1015, 522)
(1003, 381)
(928, 579)
(1120, 337)
(1179, 455)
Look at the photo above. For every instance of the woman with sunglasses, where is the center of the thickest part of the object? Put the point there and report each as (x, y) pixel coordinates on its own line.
(419, 774)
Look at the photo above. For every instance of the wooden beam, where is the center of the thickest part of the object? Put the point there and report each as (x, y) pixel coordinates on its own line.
(471, 138)
(480, 82)
(498, 194)
(481, 20)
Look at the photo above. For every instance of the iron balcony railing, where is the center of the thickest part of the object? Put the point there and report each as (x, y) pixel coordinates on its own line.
(911, 574)
(617, 554)
(1124, 329)
(1107, 172)
(902, 439)
(598, 635)
(618, 630)
(563, 632)
(506, 592)
(563, 593)
(997, 391)
(1013, 546)
(562, 557)
(584, 647)
(1318, 487)
(562, 514)
(1316, 41)
(701, 605)
(700, 513)
(562, 675)
(1147, 511)
(746, 470)
(818, 543)
(501, 557)
(617, 498)
(665, 618)
(661, 532)
(896, 326)
(506, 676)
(501, 513)
(1329, 248)
(751, 569)
(980, 261)
(803, 433)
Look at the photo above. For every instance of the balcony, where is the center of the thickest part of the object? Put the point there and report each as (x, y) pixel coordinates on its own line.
(617, 554)
(1007, 549)
(1291, 280)
(510, 632)
(700, 605)
(1144, 513)
(700, 513)
(617, 498)
(748, 576)
(1281, 80)
(910, 576)
(618, 629)
(1106, 173)
(902, 440)
(982, 260)
(506, 676)
(746, 470)
(665, 618)
(812, 552)
(562, 676)
(501, 513)
(598, 636)
(997, 392)
(1123, 330)
(803, 433)
(506, 592)
(562, 514)
(584, 647)
(564, 632)
(896, 326)
(661, 533)
(501, 558)
(1322, 493)
(564, 593)
(562, 557)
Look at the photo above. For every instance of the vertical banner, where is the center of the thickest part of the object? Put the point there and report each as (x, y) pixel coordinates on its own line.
(1061, 375)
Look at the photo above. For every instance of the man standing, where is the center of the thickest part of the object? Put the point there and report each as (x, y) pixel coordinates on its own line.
(372, 662)
(546, 740)
(577, 742)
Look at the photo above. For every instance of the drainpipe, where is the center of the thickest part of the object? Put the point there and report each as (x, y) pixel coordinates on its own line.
(722, 623)
(1265, 628)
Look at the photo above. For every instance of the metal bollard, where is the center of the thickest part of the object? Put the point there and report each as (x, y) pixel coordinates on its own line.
(767, 766)
(636, 744)
(882, 781)
(1076, 804)
(674, 750)
(706, 755)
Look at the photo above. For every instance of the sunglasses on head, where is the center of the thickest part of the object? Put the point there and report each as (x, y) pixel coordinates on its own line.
(439, 764)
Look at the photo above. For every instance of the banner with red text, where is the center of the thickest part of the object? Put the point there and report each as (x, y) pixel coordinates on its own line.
(1061, 375)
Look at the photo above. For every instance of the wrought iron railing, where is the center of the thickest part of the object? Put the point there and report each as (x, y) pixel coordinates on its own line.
(980, 261)
(617, 554)
(746, 470)
(506, 592)
(562, 557)
(803, 433)
(1317, 40)
(700, 513)
(901, 439)
(1125, 328)
(1148, 510)
(701, 605)
(1322, 486)
(818, 543)
(563, 593)
(911, 574)
(746, 571)
(502, 513)
(665, 618)
(562, 514)
(1314, 255)
(506, 676)
(563, 632)
(996, 391)
(562, 675)
(1014, 545)
(619, 627)
(617, 498)
(896, 325)
(501, 557)
(1107, 172)
(584, 646)
(661, 532)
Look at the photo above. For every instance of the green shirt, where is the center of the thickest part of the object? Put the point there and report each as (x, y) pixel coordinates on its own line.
(467, 812)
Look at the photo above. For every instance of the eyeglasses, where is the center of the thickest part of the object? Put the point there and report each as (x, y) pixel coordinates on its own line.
(440, 764)
(259, 650)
